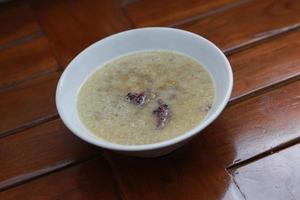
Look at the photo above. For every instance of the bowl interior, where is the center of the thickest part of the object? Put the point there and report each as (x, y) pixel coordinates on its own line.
(126, 42)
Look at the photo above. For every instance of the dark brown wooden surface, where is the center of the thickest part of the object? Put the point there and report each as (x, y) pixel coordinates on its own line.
(182, 175)
(169, 12)
(247, 23)
(250, 152)
(266, 64)
(258, 124)
(38, 150)
(268, 177)
(25, 61)
(88, 180)
(28, 102)
(17, 21)
(80, 23)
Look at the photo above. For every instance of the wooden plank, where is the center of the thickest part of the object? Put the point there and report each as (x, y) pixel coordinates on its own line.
(168, 12)
(256, 125)
(71, 26)
(17, 20)
(25, 61)
(274, 177)
(247, 23)
(28, 102)
(266, 64)
(90, 180)
(191, 172)
(39, 150)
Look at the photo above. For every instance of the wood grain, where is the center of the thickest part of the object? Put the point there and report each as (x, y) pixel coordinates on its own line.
(27, 102)
(274, 177)
(264, 65)
(191, 172)
(71, 26)
(17, 20)
(90, 180)
(25, 61)
(167, 12)
(256, 125)
(39, 150)
(47, 162)
(247, 23)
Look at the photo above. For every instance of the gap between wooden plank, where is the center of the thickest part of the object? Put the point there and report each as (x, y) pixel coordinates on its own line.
(128, 18)
(264, 154)
(19, 180)
(28, 78)
(51, 46)
(263, 90)
(239, 163)
(237, 186)
(208, 13)
(260, 38)
(21, 40)
(115, 177)
(125, 3)
(29, 125)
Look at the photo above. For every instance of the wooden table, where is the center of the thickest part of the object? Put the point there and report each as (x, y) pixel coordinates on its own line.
(250, 152)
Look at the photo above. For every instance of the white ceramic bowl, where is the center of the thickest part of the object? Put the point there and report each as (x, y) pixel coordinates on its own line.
(138, 40)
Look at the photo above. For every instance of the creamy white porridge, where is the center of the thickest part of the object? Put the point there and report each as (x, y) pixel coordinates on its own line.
(145, 97)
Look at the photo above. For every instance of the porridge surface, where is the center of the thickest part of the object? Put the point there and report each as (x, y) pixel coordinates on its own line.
(179, 81)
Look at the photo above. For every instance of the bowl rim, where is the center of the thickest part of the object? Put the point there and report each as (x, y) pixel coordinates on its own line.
(143, 147)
